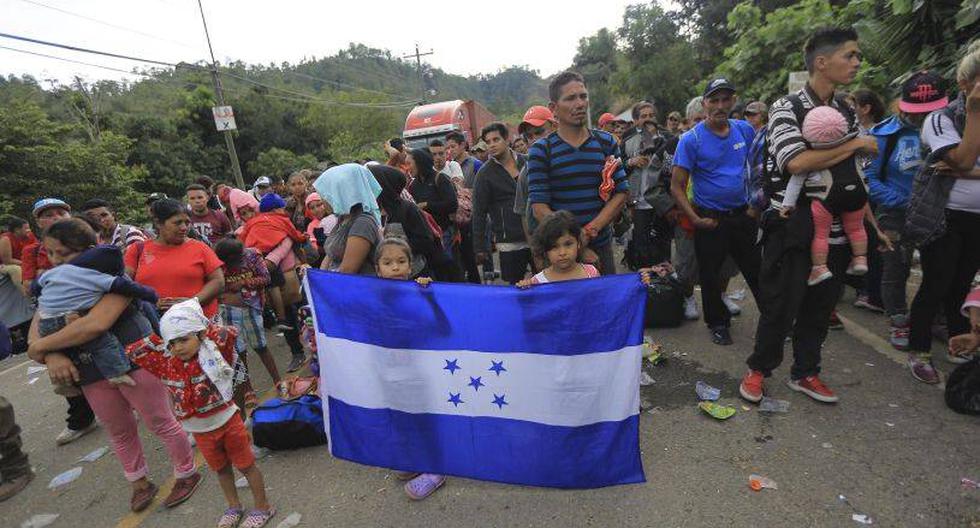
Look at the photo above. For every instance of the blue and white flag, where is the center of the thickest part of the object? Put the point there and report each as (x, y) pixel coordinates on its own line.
(537, 387)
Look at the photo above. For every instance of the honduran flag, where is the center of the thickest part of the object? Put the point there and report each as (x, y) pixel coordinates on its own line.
(537, 387)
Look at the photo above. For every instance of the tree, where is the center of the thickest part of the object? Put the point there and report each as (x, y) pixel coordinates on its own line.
(598, 59)
(279, 162)
(39, 157)
(659, 59)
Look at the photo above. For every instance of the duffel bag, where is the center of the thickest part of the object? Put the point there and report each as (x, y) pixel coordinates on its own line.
(289, 424)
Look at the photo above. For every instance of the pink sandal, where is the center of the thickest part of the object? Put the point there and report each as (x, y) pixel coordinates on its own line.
(424, 485)
(258, 518)
(231, 518)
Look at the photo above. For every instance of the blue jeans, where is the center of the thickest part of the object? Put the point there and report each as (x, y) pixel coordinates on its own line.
(106, 350)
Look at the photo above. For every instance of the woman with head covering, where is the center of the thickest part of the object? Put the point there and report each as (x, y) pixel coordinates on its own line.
(351, 192)
(420, 237)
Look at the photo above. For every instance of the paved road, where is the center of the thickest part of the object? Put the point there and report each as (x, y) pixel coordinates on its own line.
(890, 447)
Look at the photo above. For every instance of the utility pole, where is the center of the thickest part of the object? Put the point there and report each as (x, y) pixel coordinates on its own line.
(418, 66)
(229, 140)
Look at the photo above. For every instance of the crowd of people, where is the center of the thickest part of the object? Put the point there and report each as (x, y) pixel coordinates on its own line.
(817, 190)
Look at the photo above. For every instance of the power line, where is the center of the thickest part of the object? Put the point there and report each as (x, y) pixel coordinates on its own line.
(77, 62)
(314, 98)
(338, 83)
(200, 68)
(86, 50)
(107, 24)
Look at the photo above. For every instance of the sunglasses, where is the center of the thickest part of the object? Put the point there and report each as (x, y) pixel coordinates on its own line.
(674, 119)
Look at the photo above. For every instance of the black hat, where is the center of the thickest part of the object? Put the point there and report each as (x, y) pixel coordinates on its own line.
(923, 93)
(720, 83)
(153, 197)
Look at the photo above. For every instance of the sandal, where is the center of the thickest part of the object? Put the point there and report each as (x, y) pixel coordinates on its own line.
(141, 499)
(231, 518)
(424, 485)
(258, 518)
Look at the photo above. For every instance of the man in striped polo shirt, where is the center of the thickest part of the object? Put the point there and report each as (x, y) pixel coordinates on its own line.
(565, 170)
(787, 306)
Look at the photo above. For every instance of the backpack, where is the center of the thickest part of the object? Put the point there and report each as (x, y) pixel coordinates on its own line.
(925, 217)
(963, 388)
(665, 302)
(289, 424)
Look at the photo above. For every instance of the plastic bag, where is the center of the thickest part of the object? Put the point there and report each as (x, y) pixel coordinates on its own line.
(963, 388)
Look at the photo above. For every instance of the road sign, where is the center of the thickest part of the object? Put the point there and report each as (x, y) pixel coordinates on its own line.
(224, 118)
(797, 80)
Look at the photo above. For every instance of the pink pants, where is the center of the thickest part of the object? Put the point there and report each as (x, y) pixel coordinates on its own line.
(113, 406)
(853, 226)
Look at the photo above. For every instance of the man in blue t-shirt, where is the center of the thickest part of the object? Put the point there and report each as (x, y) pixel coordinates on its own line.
(713, 158)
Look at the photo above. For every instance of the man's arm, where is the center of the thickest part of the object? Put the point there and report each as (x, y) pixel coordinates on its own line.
(610, 211)
(678, 189)
(811, 160)
(481, 196)
(6, 252)
(539, 188)
(963, 157)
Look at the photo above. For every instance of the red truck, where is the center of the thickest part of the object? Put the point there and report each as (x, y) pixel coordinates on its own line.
(434, 121)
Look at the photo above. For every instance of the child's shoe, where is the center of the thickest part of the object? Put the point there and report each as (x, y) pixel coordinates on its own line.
(858, 266)
(258, 518)
(125, 379)
(231, 518)
(818, 274)
(424, 485)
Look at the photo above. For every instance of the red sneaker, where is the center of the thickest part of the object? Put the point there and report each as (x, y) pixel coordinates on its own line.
(814, 388)
(751, 386)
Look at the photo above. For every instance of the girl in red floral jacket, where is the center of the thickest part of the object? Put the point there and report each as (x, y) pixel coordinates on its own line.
(194, 362)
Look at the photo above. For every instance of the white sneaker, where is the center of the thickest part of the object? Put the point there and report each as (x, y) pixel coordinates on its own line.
(733, 308)
(68, 436)
(691, 309)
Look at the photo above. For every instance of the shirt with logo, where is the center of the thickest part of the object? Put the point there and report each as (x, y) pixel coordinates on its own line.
(718, 165)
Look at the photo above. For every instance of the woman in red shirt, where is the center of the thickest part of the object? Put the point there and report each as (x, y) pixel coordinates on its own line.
(176, 266)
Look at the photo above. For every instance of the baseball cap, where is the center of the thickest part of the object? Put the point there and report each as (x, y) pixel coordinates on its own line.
(263, 181)
(536, 116)
(923, 92)
(153, 197)
(481, 145)
(756, 107)
(605, 119)
(48, 203)
(720, 83)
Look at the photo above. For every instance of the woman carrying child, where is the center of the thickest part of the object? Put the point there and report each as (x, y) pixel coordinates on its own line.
(113, 404)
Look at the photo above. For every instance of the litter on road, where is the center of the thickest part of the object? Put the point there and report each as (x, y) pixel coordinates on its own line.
(772, 405)
(40, 520)
(65, 478)
(718, 412)
(968, 483)
(706, 392)
(292, 520)
(95, 455)
(861, 518)
(759, 483)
